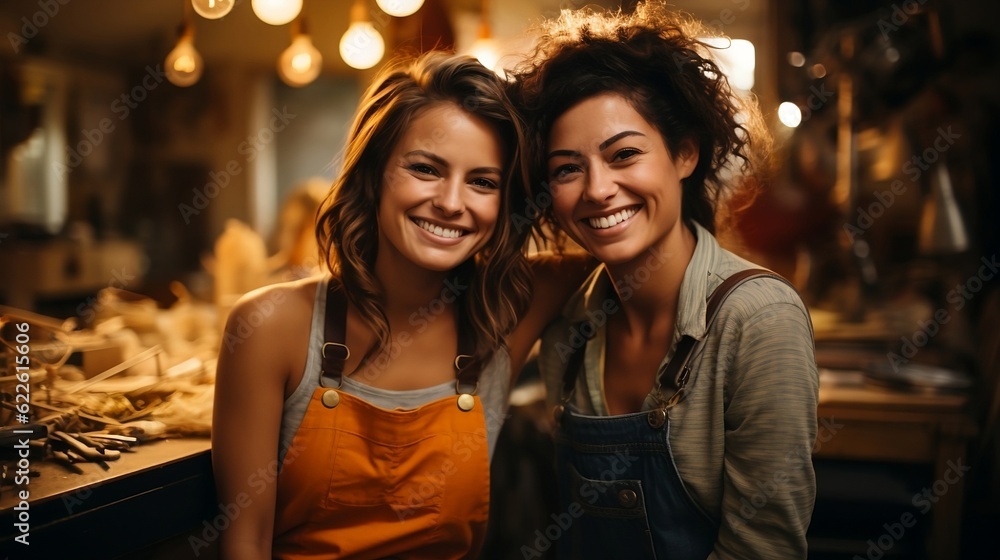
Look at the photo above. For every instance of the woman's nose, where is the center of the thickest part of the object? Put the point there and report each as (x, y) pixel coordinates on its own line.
(599, 185)
(449, 198)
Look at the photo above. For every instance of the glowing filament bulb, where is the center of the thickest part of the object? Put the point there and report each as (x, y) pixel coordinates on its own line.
(212, 9)
(300, 63)
(184, 65)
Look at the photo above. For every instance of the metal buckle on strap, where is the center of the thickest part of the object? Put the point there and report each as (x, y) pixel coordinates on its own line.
(346, 351)
(339, 352)
(683, 376)
(459, 359)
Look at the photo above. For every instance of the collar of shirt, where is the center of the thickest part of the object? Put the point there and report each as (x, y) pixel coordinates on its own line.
(701, 277)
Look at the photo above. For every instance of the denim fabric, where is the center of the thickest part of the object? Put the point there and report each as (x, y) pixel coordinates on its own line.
(619, 483)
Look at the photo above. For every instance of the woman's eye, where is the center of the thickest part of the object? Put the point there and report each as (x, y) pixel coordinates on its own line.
(626, 153)
(484, 183)
(564, 172)
(423, 169)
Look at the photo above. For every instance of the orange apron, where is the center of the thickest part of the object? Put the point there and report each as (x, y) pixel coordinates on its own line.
(360, 481)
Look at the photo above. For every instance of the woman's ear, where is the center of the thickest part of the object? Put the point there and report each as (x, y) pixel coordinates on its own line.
(687, 158)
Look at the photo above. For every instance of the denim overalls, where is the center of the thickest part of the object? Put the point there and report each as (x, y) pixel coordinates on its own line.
(618, 481)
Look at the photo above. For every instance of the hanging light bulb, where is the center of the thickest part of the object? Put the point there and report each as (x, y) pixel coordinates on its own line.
(361, 46)
(300, 63)
(183, 65)
(276, 12)
(485, 49)
(212, 9)
(399, 8)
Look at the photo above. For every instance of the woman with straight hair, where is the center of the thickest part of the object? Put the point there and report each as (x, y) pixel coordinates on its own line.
(356, 413)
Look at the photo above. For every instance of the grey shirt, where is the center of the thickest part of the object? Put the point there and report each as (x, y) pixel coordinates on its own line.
(742, 438)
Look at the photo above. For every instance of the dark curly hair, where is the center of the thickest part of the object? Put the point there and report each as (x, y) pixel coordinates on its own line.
(347, 228)
(654, 59)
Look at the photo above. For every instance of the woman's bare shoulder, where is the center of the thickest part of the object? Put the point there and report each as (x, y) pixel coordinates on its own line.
(273, 315)
(278, 303)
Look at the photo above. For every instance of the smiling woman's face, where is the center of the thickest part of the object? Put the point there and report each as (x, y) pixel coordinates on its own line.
(441, 194)
(616, 187)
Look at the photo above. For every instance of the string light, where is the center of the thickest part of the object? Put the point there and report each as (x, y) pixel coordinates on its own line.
(399, 8)
(485, 49)
(301, 62)
(361, 46)
(276, 12)
(212, 9)
(183, 65)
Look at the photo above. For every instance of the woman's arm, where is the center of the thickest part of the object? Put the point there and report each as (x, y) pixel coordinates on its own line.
(253, 368)
(770, 424)
(555, 277)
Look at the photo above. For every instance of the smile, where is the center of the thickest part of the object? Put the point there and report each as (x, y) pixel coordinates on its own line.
(605, 222)
(439, 231)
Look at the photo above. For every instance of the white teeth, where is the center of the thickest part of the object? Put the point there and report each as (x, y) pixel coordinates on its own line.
(605, 222)
(438, 230)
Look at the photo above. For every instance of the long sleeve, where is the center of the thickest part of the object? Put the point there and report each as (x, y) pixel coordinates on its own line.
(770, 425)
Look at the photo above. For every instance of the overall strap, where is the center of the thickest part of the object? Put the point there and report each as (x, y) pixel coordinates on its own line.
(465, 374)
(335, 351)
(677, 370)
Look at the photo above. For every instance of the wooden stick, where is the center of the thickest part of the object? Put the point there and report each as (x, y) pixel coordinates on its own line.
(144, 355)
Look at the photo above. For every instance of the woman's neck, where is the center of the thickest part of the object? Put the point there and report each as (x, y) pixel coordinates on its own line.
(648, 287)
(410, 289)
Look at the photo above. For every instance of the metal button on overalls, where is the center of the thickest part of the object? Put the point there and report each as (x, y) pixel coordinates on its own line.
(657, 418)
(331, 398)
(466, 402)
(627, 498)
(557, 412)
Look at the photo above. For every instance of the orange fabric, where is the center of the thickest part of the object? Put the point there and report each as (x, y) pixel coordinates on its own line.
(361, 481)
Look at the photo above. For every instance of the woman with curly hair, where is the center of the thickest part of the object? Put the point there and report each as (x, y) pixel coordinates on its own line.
(356, 413)
(683, 426)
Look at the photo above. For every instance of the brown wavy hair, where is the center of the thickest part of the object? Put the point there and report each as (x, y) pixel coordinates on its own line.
(653, 58)
(347, 227)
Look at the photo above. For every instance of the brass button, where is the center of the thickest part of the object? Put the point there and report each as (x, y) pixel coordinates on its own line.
(466, 402)
(331, 398)
(557, 413)
(627, 498)
(657, 418)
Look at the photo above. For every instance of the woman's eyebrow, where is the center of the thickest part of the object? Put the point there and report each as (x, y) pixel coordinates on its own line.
(618, 137)
(600, 148)
(444, 163)
(481, 170)
(568, 153)
(433, 157)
